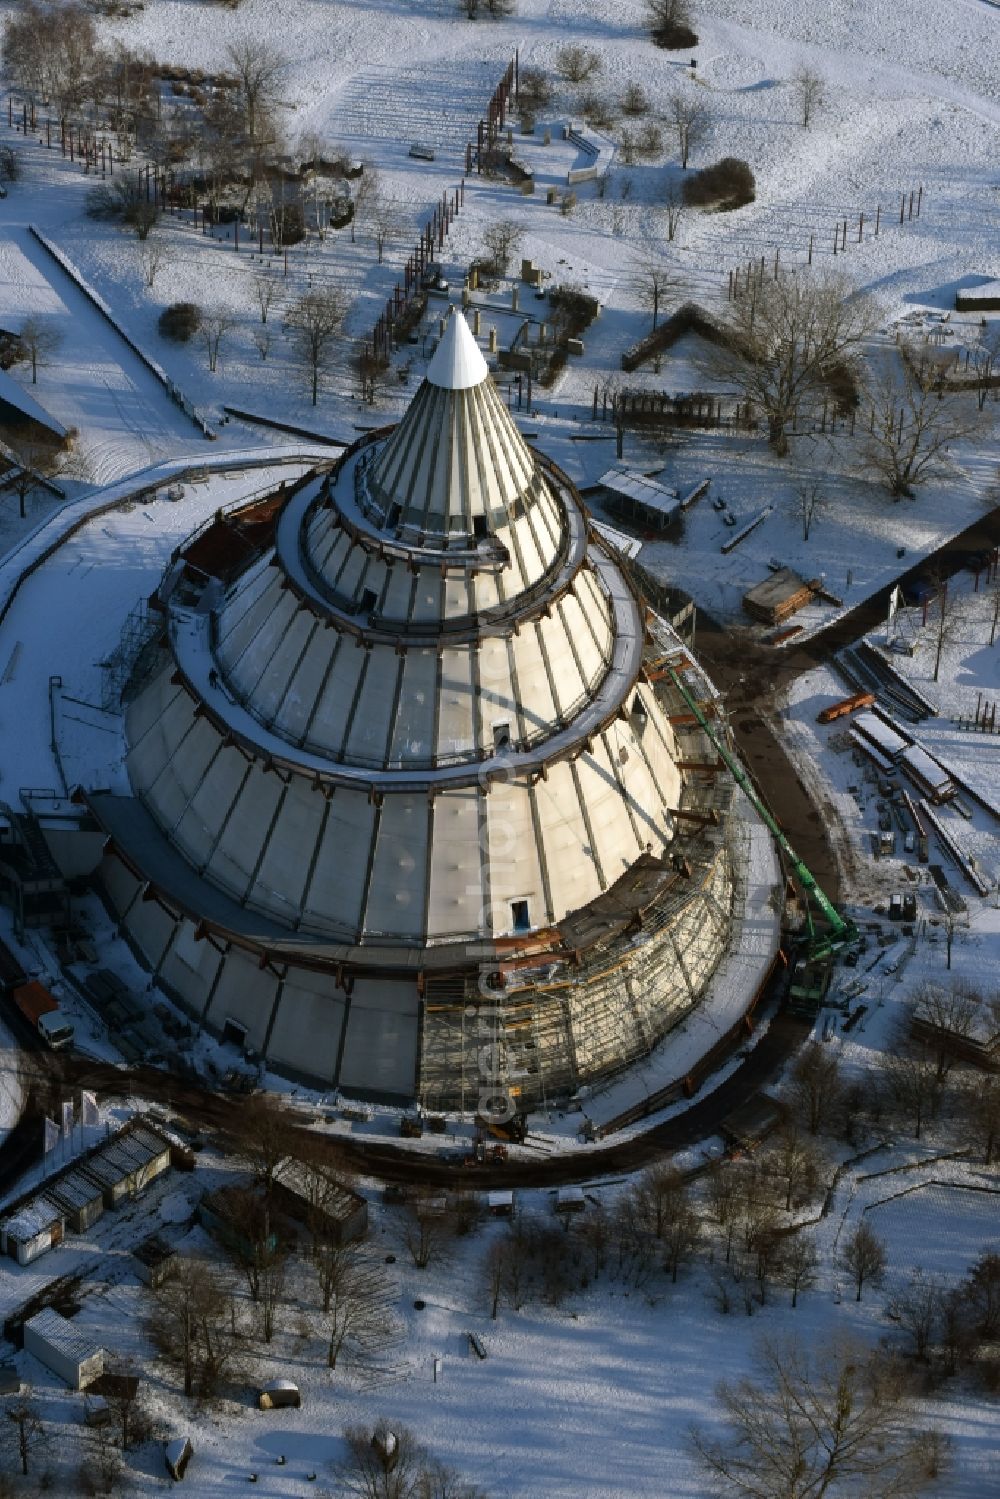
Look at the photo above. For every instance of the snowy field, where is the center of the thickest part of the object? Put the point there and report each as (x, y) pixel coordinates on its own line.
(594, 1398)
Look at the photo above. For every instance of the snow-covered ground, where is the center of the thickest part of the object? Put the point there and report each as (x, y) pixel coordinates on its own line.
(594, 1398)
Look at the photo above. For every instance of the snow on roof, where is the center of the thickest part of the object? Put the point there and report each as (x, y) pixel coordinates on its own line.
(641, 488)
(457, 363)
(60, 1333)
(14, 395)
(33, 1218)
(279, 1384)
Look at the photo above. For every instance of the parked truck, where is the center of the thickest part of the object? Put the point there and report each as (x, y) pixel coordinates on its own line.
(43, 1014)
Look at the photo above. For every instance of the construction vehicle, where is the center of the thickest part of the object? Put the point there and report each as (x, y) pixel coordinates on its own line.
(512, 1130)
(43, 1014)
(811, 966)
(485, 1154)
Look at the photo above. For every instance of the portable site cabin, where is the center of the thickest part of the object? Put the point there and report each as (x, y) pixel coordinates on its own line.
(128, 1163)
(111, 1175)
(500, 1203)
(570, 1200)
(57, 1344)
(79, 1199)
(153, 1259)
(10, 1380)
(34, 1226)
(305, 1195)
(640, 499)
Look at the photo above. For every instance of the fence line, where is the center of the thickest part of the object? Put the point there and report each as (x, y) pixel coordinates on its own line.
(95, 298)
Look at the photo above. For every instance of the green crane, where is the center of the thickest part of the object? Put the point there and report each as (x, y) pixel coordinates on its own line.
(818, 946)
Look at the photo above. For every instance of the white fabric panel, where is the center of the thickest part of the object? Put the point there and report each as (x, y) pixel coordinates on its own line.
(234, 856)
(515, 873)
(572, 872)
(538, 710)
(119, 882)
(413, 733)
(456, 597)
(455, 725)
(245, 993)
(281, 879)
(368, 741)
(326, 732)
(496, 700)
(272, 688)
(399, 874)
(306, 1031)
(250, 669)
(241, 624)
(645, 800)
(306, 683)
(151, 929)
(200, 825)
(350, 578)
(146, 708)
(456, 903)
(579, 630)
(485, 594)
(613, 833)
(427, 601)
(522, 544)
(570, 686)
(333, 901)
(189, 969)
(396, 605)
(380, 1052)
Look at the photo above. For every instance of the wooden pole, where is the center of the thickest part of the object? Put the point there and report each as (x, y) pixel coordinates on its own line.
(810, 249)
(878, 215)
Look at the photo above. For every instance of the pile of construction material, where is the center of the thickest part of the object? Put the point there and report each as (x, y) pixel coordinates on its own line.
(778, 597)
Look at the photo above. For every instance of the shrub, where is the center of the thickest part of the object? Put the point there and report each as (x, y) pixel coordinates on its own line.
(635, 100)
(534, 89)
(180, 321)
(577, 63)
(726, 185)
(675, 38)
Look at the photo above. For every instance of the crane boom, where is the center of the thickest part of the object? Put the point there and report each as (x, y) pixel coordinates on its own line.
(841, 930)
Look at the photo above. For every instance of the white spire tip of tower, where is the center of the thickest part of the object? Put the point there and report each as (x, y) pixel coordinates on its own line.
(457, 363)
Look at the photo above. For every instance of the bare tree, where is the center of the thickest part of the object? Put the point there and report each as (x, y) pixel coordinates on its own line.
(863, 1257)
(385, 225)
(816, 1084)
(983, 1113)
(216, 322)
(918, 1308)
(797, 1264)
(986, 361)
(437, 1481)
(127, 200)
(811, 502)
(313, 323)
(913, 422)
(429, 1227)
(384, 1464)
(262, 338)
(724, 1194)
(265, 290)
(670, 22)
(983, 1294)
(124, 1400)
(812, 1426)
(795, 1161)
(689, 118)
(39, 340)
(193, 1324)
(151, 252)
(576, 63)
(25, 1431)
(368, 193)
(37, 462)
(259, 68)
(673, 203)
(945, 1015)
(356, 1294)
(495, 1273)
(810, 93)
(501, 242)
(787, 341)
(654, 283)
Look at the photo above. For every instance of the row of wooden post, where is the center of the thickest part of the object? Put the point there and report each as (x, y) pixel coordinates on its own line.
(909, 208)
(432, 236)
